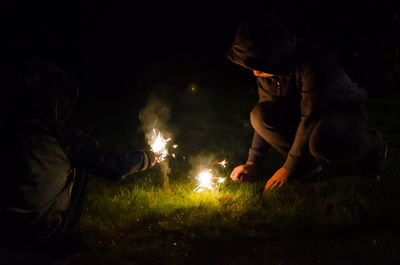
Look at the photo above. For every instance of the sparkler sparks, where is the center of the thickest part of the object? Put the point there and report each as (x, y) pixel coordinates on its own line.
(159, 145)
(223, 163)
(221, 180)
(207, 181)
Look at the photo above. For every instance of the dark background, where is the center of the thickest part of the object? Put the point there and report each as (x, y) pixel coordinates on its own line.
(117, 38)
(119, 52)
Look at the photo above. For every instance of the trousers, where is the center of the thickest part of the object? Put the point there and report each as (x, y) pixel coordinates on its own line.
(338, 134)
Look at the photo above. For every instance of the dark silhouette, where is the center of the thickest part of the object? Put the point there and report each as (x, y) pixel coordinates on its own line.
(309, 109)
(45, 163)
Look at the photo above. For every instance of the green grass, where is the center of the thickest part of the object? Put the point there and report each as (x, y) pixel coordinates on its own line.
(182, 226)
(337, 219)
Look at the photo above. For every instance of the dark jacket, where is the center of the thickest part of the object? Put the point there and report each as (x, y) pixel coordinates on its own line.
(305, 74)
(40, 156)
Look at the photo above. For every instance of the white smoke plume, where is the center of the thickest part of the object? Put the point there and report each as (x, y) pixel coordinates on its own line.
(155, 116)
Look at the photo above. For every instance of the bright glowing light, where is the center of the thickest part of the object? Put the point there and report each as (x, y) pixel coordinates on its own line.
(223, 163)
(205, 177)
(173, 155)
(159, 145)
(175, 146)
(205, 181)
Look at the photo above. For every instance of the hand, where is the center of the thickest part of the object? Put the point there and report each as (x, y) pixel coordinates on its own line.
(152, 158)
(278, 179)
(243, 172)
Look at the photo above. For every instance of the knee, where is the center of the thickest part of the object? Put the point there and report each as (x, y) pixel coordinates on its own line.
(256, 117)
(318, 146)
(260, 117)
(320, 142)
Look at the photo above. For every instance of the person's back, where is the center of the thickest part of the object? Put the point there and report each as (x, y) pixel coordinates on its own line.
(45, 163)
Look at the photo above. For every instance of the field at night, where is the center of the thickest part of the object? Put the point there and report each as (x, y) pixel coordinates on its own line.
(336, 218)
(137, 73)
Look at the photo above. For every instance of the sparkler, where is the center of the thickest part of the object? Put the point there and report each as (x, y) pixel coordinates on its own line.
(207, 181)
(223, 163)
(159, 145)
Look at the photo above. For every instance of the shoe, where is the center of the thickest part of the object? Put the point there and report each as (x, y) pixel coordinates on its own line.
(373, 163)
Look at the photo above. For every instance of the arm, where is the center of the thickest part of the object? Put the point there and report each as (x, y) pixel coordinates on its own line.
(256, 153)
(258, 149)
(311, 105)
(85, 153)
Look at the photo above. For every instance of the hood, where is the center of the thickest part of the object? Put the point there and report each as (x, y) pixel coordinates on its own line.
(46, 92)
(263, 44)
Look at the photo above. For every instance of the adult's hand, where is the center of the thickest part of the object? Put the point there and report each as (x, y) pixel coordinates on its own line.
(244, 172)
(152, 158)
(278, 179)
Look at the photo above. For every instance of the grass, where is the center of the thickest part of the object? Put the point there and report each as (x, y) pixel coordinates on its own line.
(340, 219)
(137, 221)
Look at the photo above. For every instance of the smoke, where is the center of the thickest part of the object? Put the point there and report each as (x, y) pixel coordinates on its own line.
(155, 116)
(200, 162)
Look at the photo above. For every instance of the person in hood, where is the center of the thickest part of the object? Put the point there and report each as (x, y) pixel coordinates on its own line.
(45, 163)
(309, 110)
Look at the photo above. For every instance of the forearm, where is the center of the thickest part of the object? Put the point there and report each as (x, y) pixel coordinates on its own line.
(258, 149)
(311, 105)
(110, 164)
(299, 147)
(85, 153)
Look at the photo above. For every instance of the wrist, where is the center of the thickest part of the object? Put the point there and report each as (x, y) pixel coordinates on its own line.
(249, 163)
(285, 170)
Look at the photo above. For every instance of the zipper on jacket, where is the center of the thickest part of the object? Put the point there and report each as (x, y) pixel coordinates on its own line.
(278, 86)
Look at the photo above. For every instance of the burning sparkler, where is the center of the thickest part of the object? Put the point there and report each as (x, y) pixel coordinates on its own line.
(159, 145)
(207, 181)
(223, 163)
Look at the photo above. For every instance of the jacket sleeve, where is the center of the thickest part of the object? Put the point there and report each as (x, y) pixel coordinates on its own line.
(310, 106)
(258, 149)
(85, 153)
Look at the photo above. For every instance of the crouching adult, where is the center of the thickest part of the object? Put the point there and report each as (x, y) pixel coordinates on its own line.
(309, 109)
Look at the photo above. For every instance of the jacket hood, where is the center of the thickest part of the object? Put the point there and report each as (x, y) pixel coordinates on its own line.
(263, 44)
(46, 92)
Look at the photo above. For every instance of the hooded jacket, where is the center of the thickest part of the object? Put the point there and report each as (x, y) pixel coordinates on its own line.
(41, 156)
(304, 74)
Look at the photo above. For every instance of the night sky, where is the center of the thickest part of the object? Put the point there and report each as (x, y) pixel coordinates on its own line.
(109, 45)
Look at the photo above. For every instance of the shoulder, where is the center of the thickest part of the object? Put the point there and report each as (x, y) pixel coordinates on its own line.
(311, 59)
(32, 144)
(32, 135)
